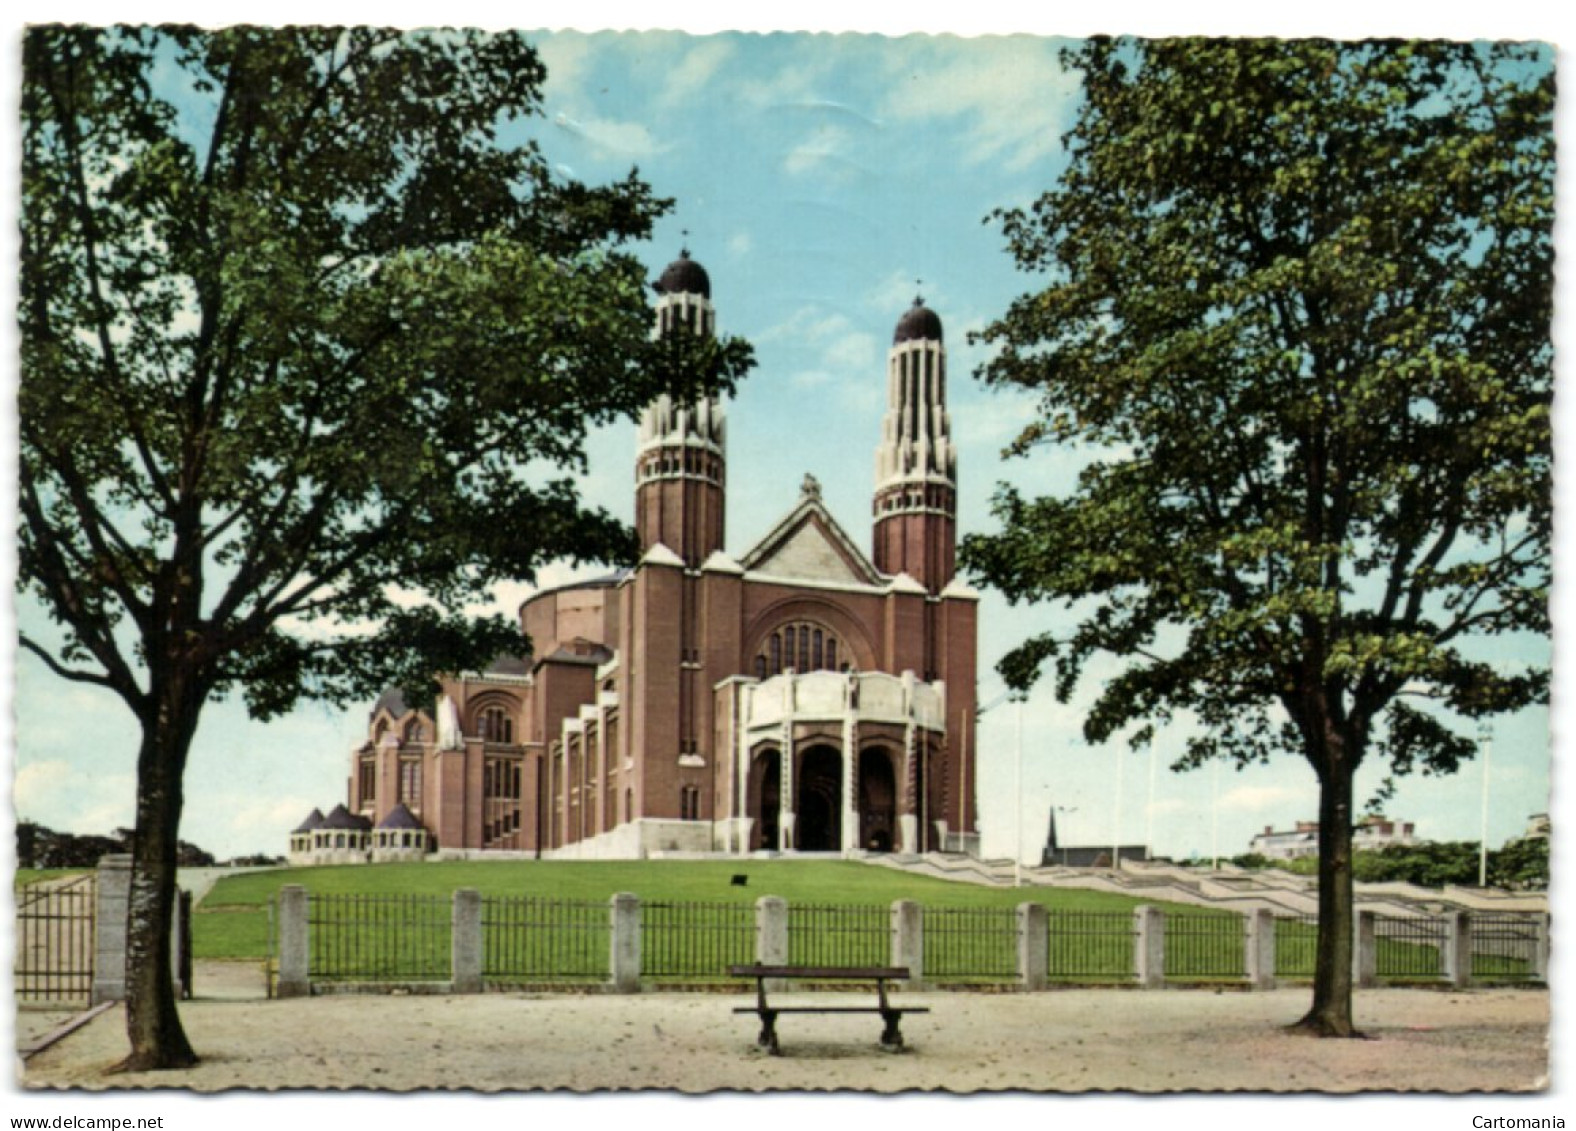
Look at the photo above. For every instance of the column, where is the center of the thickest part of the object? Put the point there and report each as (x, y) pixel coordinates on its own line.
(465, 942)
(112, 899)
(625, 911)
(293, 943)
(1034, 945)
(1149, 947)
(908, 940)
(1260, 945)
(851, 842)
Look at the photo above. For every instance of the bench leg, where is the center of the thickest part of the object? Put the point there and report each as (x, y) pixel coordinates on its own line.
(768, 1036)
(891, 1037)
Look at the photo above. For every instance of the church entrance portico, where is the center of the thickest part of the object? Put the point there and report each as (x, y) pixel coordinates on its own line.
(877, 801)
(820, 824)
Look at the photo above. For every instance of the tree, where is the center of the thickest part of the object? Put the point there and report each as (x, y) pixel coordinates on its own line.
(1296, 312)
(307, 349)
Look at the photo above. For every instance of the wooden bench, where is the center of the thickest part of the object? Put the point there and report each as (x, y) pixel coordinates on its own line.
(891, 1036)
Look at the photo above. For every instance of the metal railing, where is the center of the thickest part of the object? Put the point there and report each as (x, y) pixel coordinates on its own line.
(1409, 948)
(971, 942)
(1505, 947)
(1090, 946)
(1296, 945)
(530, 939)
(379, 938)
(831, 935)
(695, 940)
(53, 964)
(1205, 946)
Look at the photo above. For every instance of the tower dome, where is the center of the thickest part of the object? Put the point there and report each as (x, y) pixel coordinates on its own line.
(685, 277)
(919, 323)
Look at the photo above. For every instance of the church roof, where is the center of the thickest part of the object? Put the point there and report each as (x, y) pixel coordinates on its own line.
(809, 545)
(313, 822)
(341, 818)
(392, 701)
(919, 323)
(685, 277)
(507, 665)
(399, 817)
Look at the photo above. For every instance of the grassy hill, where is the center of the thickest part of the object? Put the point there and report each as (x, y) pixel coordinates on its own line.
(231, 921)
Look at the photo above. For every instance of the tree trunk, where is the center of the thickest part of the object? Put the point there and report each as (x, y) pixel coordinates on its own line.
(1331, 1014)
(152, 1023)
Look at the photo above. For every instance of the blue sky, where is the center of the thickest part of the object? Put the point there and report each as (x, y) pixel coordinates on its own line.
(821, 180)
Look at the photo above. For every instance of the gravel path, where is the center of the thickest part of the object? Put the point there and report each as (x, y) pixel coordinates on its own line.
(1061, 1041)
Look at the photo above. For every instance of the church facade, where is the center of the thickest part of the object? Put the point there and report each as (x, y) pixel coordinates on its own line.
(802, 696)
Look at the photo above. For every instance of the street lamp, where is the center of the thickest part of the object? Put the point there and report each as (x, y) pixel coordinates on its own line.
(1486, 741)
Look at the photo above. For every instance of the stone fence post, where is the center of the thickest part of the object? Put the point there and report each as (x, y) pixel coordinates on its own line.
(625, 911)
(771, 936)
(1260, 949)
(1540, 951)
(1365, 951)
(1149, 947)
(1455, 955)
(908, 940)
(465, 942)
(1034, 945)
(293, 942)
(112, 901)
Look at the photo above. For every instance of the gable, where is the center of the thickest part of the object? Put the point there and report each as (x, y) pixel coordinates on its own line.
(808, 545)
(808, 553)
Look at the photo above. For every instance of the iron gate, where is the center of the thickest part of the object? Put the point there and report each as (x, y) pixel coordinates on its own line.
(54, 943)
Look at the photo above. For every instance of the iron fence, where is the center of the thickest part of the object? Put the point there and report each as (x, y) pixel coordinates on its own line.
(53, 964)
(1505, 947)
(378, 938)
(822, 935)
(529, 939)
(1090, 946)
(1205, 946)
(971, 942)
(1409, 947)
(695, 940)
(1296, 945)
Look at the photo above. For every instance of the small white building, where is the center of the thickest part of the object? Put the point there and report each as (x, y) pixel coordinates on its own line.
(1370, 834)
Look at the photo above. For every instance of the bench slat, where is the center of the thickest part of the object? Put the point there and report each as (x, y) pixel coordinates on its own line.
(834, 1009)
(850, 973)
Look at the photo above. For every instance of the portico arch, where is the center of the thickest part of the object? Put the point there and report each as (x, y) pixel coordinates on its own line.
(877, 800)
(820, 808)
(765, 800)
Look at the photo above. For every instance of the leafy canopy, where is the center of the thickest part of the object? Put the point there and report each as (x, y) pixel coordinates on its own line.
(1295, 310)
(304, 335)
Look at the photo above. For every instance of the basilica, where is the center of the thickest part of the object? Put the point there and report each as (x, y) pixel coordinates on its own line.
(802, 696)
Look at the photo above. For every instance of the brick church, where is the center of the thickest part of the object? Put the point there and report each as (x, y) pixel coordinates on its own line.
(800, 697)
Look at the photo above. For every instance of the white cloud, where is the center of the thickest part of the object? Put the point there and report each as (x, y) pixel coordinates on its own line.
(623, 139)
(1259, 798)
(741, 243)
(566, 57)
(695, 70)
(1014, 98)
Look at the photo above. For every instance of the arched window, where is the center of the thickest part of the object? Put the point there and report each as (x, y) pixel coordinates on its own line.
(497, 726)
(803, 647)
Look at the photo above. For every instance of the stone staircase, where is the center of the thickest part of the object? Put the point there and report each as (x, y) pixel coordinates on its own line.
(1226, 888)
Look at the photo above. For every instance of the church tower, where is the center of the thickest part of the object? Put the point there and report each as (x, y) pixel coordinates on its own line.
(680, 457)
(916, 464)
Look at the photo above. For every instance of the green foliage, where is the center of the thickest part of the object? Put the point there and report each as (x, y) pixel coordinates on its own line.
(1521, 865)
(309, 356)
(1297, 310)
(295, 326)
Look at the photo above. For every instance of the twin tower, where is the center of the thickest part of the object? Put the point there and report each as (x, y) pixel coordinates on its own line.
(680, 465)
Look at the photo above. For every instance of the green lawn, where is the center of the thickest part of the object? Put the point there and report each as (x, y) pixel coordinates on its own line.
(232, 920)
(27, 876)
